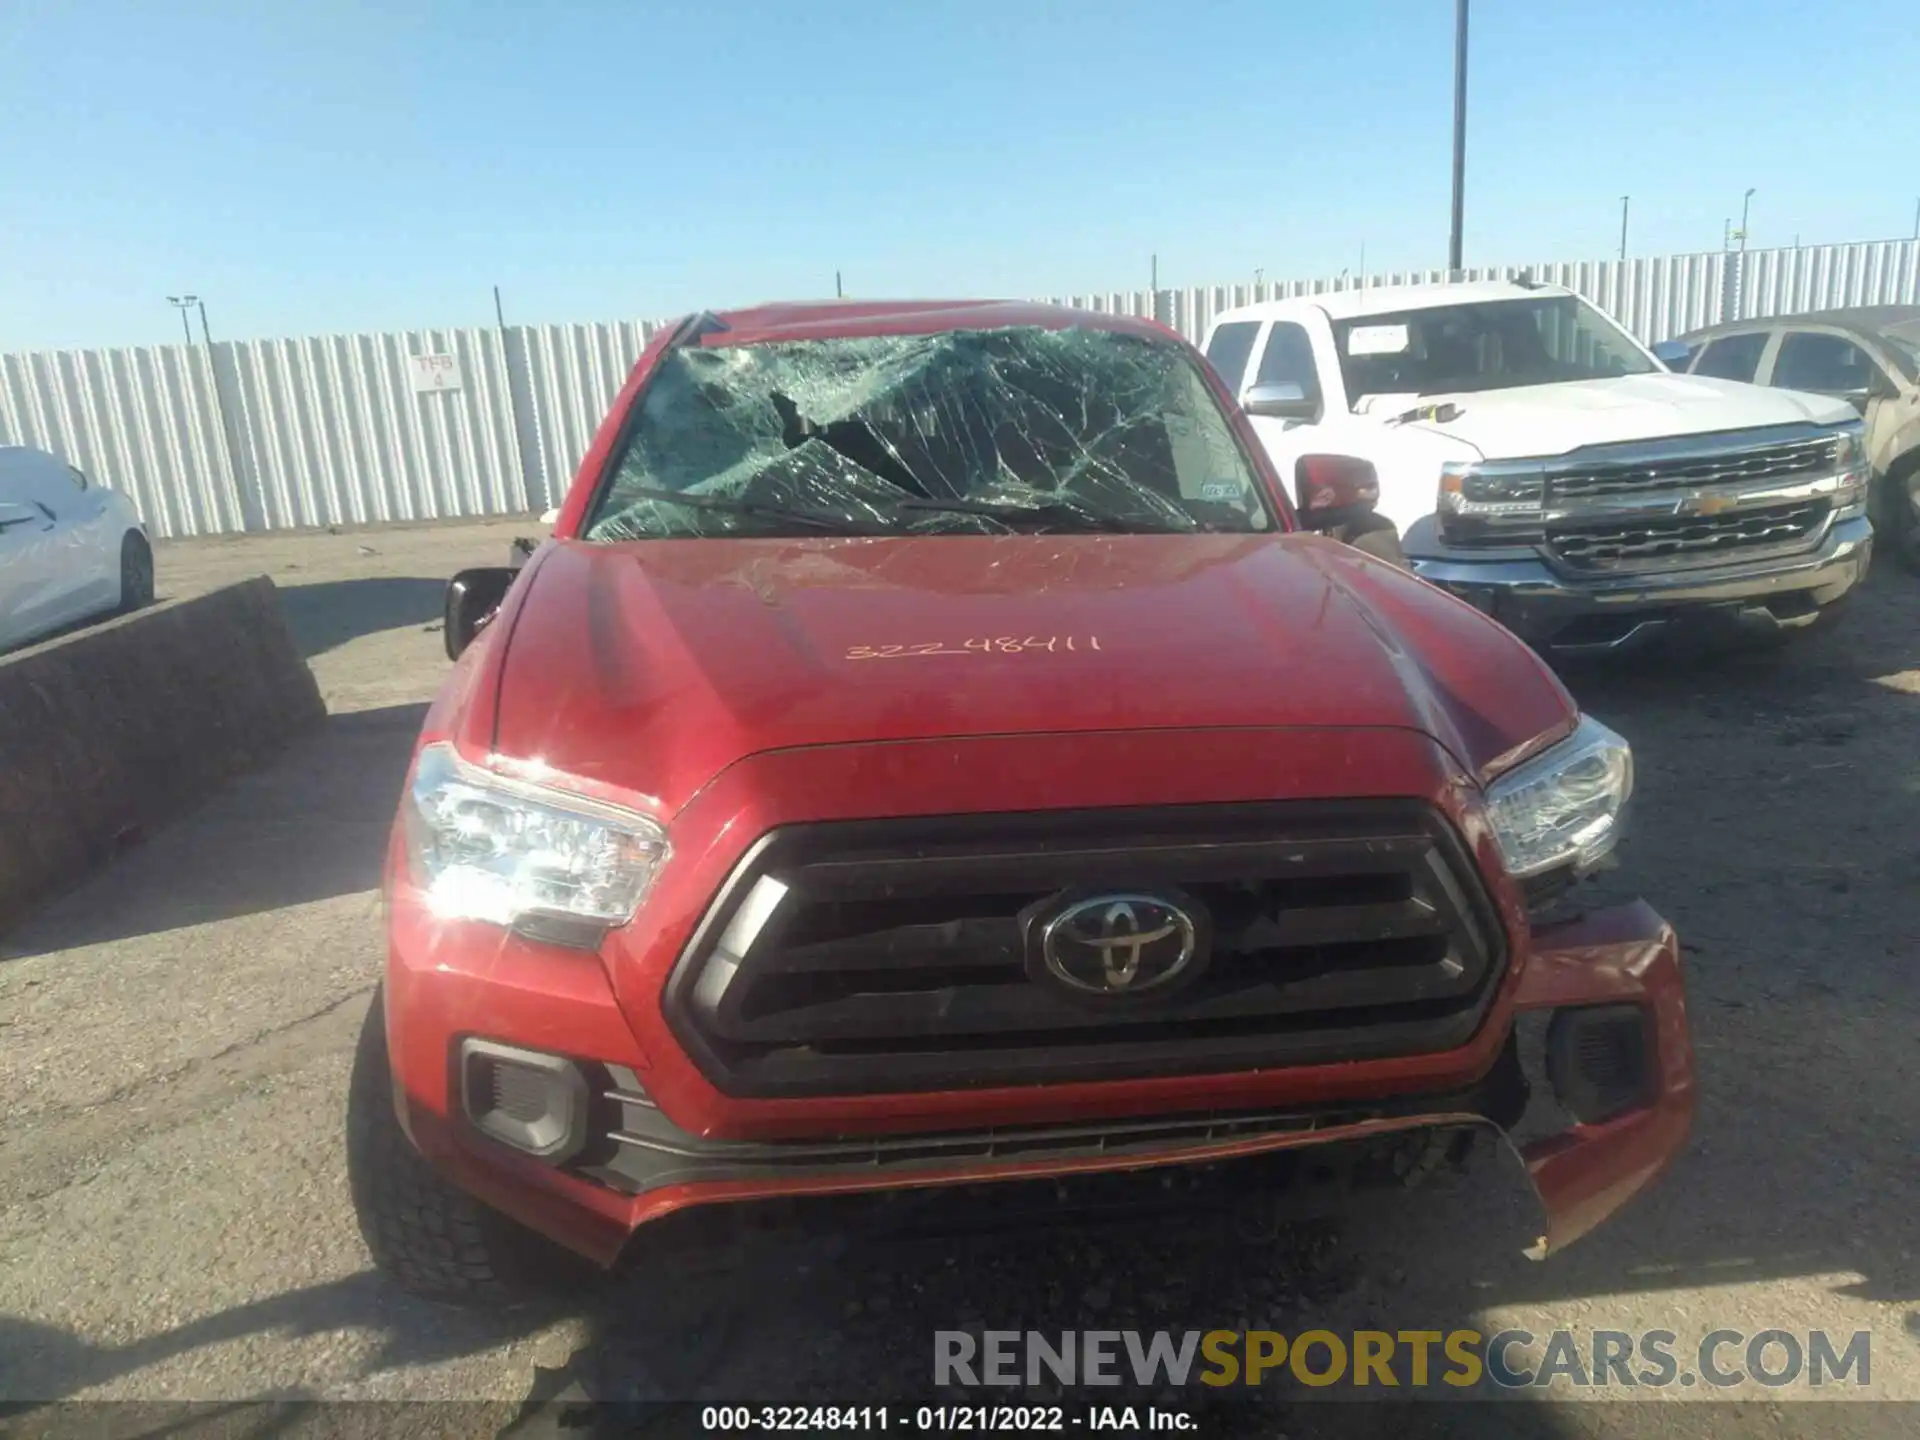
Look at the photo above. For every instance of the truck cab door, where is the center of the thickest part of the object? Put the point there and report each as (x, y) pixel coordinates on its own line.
(1285, 356)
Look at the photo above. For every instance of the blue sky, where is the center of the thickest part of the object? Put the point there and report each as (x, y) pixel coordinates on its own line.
(329, 165)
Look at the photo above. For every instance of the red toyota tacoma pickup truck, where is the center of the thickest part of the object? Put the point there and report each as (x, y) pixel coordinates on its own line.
(933, 749)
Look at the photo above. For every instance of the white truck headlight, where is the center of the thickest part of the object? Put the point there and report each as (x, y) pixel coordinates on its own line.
(1563, 807)
(1850, 471)
(486, 847)
(1496, 490)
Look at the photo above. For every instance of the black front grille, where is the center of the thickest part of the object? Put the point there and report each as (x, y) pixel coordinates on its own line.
(888, 955)
(1713, 463)
(1626, 544)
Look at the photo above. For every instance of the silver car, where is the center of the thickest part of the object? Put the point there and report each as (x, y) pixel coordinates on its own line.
(70, 549)
(1869, 357)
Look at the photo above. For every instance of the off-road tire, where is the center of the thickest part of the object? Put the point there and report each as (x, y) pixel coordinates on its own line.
(1902, 538)
(430, 1238)
(136, 573)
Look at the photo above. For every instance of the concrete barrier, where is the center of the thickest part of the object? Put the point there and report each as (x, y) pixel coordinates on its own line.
(110, 732)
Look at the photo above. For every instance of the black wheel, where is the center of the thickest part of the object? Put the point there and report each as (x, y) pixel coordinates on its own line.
(1900, 513)
(136, 573)
(429, 1237)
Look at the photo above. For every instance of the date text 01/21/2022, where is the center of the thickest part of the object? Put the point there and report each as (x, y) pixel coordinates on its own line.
(958, 1419)
(996, 645)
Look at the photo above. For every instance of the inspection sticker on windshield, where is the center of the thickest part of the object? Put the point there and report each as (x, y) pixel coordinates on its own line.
(995, 645)
(1377, 340)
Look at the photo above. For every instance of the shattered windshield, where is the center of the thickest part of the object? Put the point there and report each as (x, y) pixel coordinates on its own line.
(963, 432)
(1491, 345)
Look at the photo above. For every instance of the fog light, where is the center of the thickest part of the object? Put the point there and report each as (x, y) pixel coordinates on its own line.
(536, 1103)
(1599, 1061)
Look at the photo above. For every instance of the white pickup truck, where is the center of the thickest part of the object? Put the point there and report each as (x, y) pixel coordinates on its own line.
(1539, 462)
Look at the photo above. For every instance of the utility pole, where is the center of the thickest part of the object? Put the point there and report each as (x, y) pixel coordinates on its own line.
(838, 293)
(1623, 225)
(1153, 282)
(184, 303)
(1459, 136)
(201, 306)
(1726, 234)
(499, 313)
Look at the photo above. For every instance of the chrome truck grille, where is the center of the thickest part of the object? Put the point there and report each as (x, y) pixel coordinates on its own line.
(1622, 544)
(899, 955)
(1696, 461)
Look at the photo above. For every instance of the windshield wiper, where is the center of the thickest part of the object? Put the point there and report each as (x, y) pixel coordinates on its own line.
(1008, 511)
(835, 524)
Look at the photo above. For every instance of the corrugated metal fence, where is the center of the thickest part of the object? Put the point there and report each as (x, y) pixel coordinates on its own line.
(280, 434)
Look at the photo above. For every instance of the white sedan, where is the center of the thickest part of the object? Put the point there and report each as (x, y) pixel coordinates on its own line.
(69, 549)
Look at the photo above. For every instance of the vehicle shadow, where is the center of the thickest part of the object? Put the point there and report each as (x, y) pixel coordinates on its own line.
(41, 1365)
(853, 1319)
(328, 613)
(309, 826)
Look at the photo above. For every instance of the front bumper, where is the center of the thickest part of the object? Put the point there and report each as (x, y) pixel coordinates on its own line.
(507, 990)
(1565, 614)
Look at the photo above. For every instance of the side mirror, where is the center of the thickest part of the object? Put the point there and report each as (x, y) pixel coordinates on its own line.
(1858, 397)
(1335, 490)
(473, 599)
(1282, 400)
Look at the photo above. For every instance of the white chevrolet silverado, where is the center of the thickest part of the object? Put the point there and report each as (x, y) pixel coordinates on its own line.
(1536, 460)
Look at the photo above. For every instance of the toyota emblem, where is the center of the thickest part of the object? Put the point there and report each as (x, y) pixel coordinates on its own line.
(1120, 944)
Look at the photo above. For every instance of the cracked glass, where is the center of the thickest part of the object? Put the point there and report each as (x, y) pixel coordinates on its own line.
(962, 432)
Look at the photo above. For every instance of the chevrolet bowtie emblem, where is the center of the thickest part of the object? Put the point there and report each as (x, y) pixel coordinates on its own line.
(1710, 504)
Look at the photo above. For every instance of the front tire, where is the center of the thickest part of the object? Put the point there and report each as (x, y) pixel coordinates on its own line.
(1900, 509)
(136, 573)
(430, 1238)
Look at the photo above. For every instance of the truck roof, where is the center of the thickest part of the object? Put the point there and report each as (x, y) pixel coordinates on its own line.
(1388, 300)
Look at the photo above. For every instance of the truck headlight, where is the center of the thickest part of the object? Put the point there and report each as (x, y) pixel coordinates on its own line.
(1492, 490)
(1562, 808)
(1850, 473)
(487, 847)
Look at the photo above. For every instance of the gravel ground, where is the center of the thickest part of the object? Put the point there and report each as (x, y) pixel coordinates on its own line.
(175, 1036)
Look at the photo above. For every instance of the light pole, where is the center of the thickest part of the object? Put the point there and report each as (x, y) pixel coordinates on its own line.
(1623, 225)
(184, 303)
(1459, 136)
(1745, 202)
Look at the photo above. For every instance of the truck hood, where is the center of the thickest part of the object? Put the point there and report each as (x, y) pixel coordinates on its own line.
(647, 668)
(1553, 419)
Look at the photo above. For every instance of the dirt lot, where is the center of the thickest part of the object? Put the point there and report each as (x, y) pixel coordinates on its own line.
(174, 1040)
